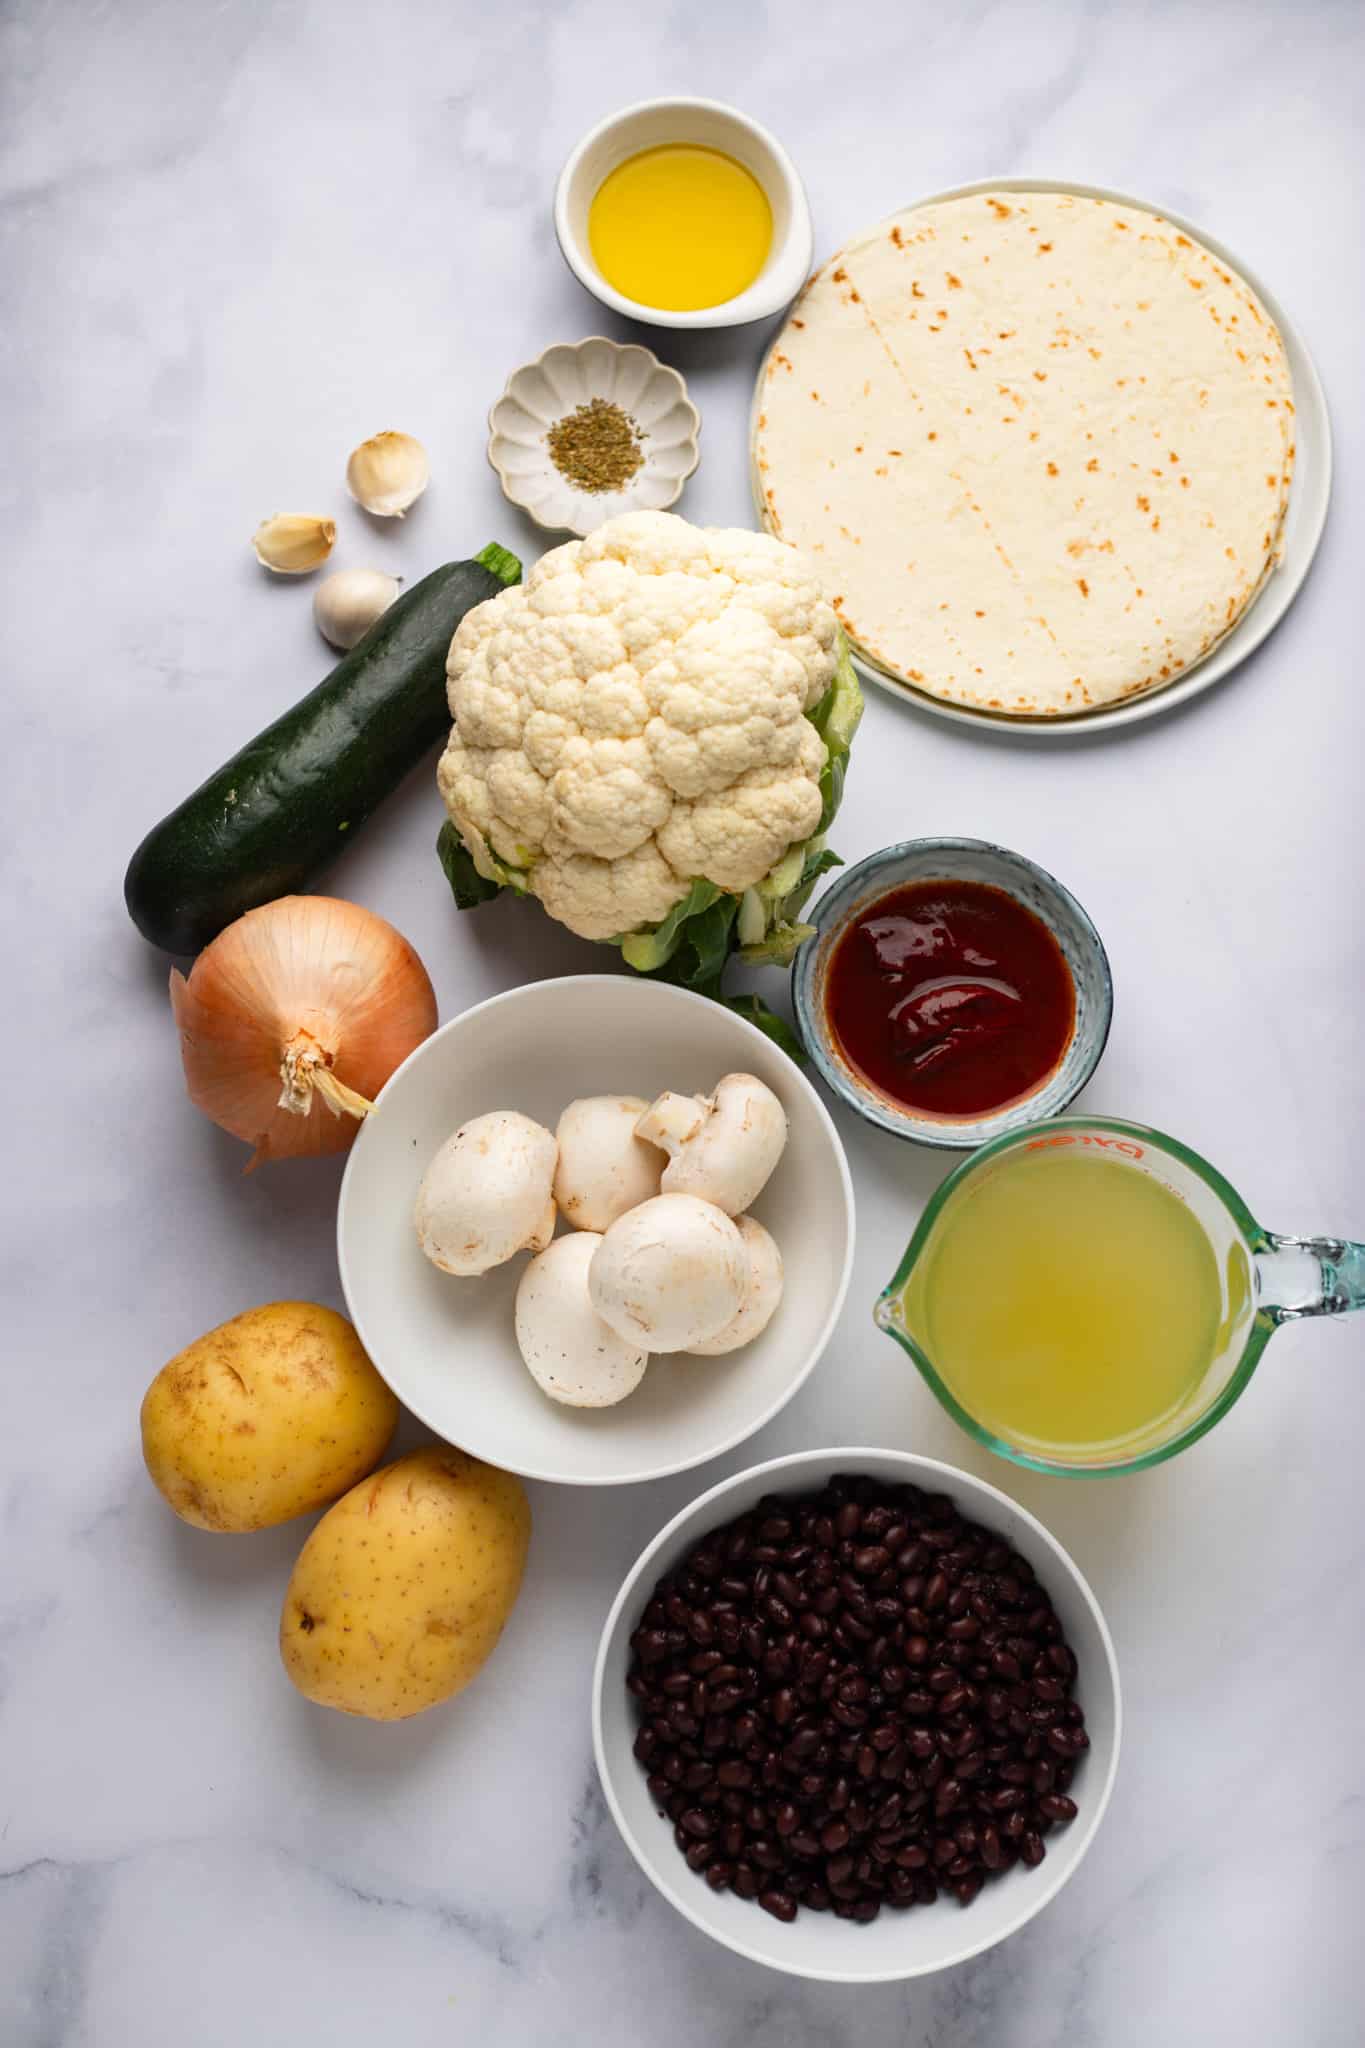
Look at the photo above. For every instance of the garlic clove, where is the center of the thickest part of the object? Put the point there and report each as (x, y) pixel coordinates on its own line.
(292, 544)
(347, 603)
(388, 473)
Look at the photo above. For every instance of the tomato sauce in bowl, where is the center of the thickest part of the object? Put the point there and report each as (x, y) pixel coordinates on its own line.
(950, 997)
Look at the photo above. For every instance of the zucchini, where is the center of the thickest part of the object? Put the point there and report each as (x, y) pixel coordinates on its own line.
(278, 811)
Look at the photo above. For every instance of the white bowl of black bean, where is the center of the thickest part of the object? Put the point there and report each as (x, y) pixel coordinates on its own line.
(857, 1715)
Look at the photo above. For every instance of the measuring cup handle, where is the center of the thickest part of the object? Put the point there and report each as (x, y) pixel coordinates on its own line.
(1310, 1276)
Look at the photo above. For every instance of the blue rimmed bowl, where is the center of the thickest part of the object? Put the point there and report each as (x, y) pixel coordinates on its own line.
(955, 860)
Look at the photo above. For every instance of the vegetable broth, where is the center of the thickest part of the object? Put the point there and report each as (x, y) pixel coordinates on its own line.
(680, 227)
(1072, 1305)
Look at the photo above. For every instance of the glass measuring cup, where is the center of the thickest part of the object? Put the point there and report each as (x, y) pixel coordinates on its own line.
(1266, 1279)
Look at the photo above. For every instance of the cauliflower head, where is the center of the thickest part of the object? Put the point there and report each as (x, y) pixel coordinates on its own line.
(635, 720)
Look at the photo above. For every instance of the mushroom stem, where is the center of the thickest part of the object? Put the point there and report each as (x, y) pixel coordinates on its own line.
(722, 1147)
(671, 1121)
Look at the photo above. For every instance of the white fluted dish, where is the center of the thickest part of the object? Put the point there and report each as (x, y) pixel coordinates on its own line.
(572, 374)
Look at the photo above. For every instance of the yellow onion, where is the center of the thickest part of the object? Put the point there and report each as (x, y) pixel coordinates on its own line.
(293, 1019)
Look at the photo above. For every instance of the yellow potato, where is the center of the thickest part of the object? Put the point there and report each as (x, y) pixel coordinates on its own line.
(402, 1590)
(266, 1417)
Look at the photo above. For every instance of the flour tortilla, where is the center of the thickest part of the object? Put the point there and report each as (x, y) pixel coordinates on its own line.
(1041, 445)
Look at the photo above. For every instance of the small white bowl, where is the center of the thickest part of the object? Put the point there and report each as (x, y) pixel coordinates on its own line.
(649, 124)
(900, 1944)
(447, 1347)
(572, 374)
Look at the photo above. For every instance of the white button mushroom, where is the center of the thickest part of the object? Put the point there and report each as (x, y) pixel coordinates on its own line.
(486, 1194)
(604, 1169)
(570, 1353)
(763, 1294)
(721, 1147)
(669, 1274)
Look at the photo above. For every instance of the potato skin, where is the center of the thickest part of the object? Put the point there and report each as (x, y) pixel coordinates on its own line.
(271, 1415)
(402, 1590)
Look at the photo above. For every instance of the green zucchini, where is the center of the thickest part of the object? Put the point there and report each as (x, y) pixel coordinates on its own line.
(278, 811)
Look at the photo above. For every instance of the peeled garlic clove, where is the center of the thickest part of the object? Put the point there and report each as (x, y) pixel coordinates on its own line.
(388, 473)
(291, 544)
(347, 603)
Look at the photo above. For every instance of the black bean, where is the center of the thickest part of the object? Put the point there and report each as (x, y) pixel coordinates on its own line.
(781, 1905)
(894, 1762)
(849, 1716)
(892, 1680)
(871, 1560)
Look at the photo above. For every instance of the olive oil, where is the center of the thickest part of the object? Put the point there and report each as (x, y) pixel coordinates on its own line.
(680, 227)
(1073, 1305)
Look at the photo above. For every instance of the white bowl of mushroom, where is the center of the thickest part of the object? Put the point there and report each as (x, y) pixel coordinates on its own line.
(597, 1230)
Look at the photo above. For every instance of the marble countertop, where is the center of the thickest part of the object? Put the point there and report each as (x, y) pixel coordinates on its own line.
(238, 238)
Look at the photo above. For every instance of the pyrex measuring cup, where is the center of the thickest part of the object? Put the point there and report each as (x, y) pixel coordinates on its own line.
(1266, 1279)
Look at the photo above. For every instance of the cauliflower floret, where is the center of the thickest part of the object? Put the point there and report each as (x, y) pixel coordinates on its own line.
(735, 836)
(600, 899)
(632, 718)
(606, 800)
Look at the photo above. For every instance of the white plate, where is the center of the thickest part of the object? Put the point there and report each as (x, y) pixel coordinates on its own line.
(898, 1945)
(448, 1347)
(1305, 514)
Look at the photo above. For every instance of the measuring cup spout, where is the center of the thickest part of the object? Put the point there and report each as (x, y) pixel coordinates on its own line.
(1310, 1276)
(888, 1314)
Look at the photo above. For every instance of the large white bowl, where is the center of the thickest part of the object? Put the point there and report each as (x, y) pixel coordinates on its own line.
(447, 1346)
(899, 1944)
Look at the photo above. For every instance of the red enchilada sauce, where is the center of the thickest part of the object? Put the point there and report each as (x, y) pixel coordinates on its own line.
(950, 997)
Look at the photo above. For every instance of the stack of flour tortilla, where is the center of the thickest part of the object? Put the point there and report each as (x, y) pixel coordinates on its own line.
(1040, 444)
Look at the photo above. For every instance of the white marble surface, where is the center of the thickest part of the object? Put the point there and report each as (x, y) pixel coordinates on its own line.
(237, 238)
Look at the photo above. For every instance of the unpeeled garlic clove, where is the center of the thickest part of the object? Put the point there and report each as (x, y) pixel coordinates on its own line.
(388, 473)
(291, 543)
(347, 603)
